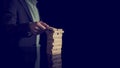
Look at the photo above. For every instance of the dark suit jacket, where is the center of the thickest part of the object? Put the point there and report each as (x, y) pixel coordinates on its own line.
(14, 28)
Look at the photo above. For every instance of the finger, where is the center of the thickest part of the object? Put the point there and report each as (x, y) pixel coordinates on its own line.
(35, 32)
(40, 25)
(36, 28)
(44, 24)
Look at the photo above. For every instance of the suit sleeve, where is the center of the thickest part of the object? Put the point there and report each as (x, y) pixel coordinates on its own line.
(10, 25)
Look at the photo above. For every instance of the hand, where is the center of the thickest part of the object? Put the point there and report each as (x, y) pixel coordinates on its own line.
(38, 27)
(45, 25)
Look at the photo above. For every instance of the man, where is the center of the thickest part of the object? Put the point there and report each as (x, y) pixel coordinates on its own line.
(20, 28)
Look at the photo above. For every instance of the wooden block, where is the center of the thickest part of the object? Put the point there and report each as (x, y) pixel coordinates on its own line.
(54, 46)
(58, 61)
(57, 36)
(57, 65)
(56, 52)
(57, 40)
(57, 47)
(54, 34)
(57, 43)
(51, 31)
(57, 33)
(54, 57)
(54, 41)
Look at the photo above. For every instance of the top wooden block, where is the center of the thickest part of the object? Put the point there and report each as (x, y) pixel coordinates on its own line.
(54, 30)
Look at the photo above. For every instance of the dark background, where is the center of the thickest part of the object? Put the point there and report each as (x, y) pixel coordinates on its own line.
(88, 40)
(87, 37)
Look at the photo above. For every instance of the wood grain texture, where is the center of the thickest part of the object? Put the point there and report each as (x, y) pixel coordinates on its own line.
(54, 46)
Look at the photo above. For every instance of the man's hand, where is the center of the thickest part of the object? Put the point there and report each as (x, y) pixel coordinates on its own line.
(38, 27)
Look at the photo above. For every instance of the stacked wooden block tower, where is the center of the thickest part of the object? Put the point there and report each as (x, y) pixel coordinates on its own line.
(54, 45)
